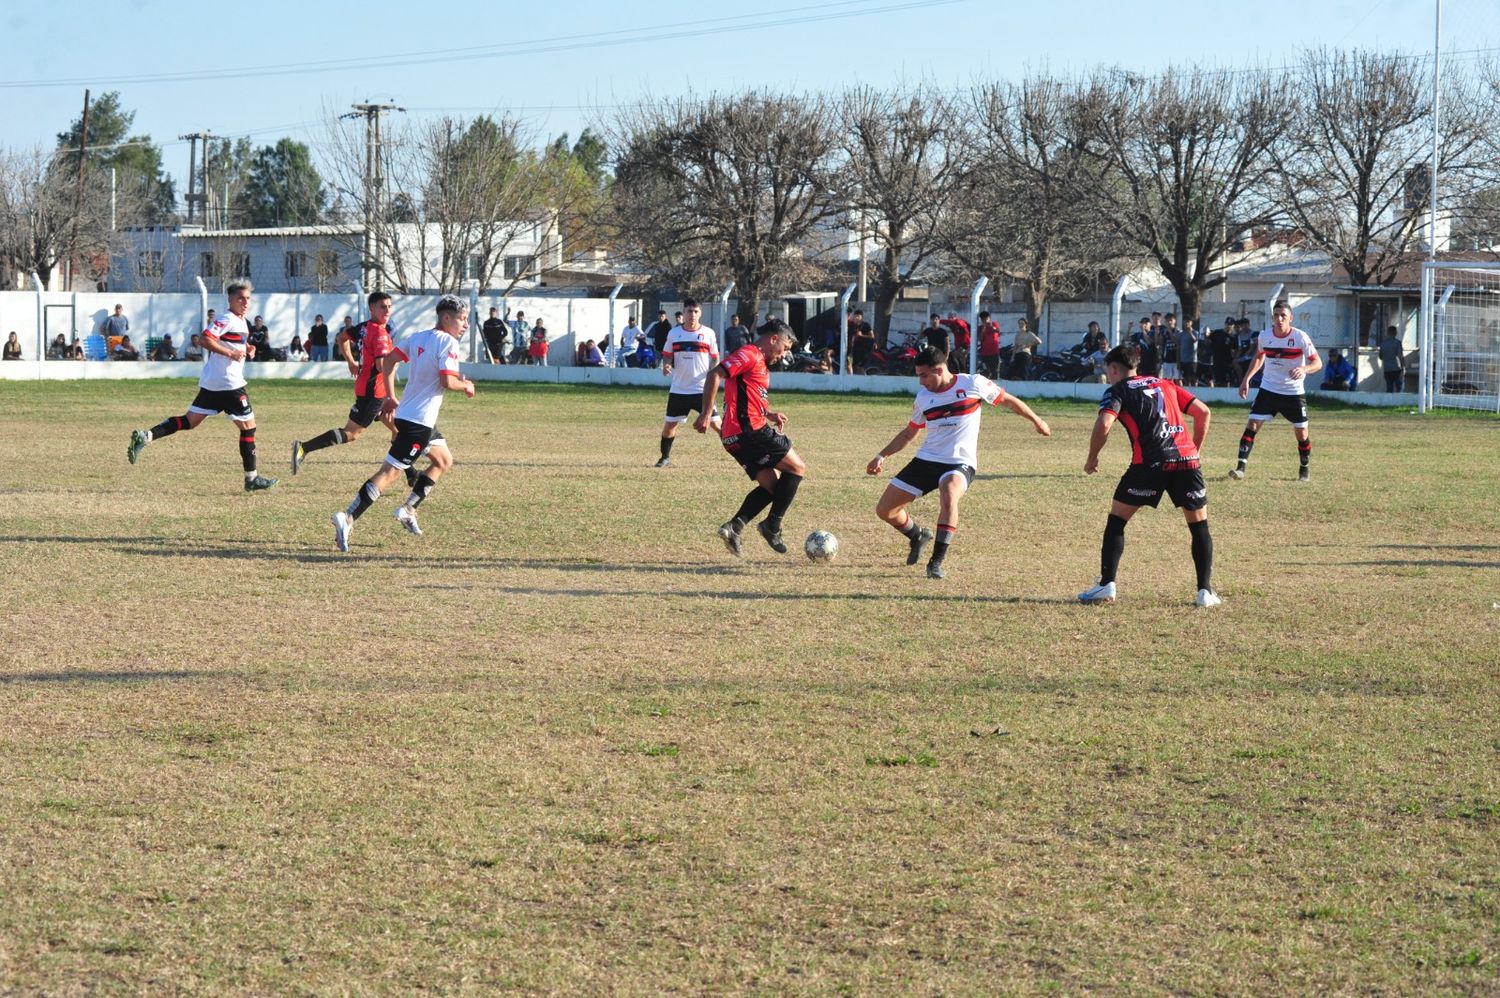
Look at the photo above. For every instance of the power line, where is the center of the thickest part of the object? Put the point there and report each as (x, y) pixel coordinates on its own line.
(837, 10)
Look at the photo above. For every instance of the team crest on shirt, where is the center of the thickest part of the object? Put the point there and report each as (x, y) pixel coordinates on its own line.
(962, 394)
(421, 351)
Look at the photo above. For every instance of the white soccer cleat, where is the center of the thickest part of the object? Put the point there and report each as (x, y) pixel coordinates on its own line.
(407, 517)
(1098, 593)
(342, 528)
(1207, 597)
(1236, 474)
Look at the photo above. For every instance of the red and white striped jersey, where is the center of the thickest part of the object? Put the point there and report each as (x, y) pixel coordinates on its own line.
(952, 419)
(692, 355)
(1282, 353)
(220, 374)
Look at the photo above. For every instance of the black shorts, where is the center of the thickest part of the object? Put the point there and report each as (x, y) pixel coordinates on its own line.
(365, 410)
(1143, 486)
(412, 440)
(757, 450)
(921, 476)
(679, 404)
(1268, 405)
(232, 402)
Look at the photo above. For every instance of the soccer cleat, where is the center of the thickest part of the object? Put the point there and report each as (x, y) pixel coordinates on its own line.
(664, 462)
(297, 455)
(730, 535)
(342, 528)
(773, 537)
(1103, 592)
(259, 483)
(138, 442)
(407, 517)
(1236, 473)
(935, 570)
(1207, 597)
(918, 546)
(1303, 475)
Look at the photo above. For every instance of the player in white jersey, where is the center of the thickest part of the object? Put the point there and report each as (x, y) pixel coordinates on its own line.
(691, 351)
(432, 356)
(1288, 356)
(221, 387)
(948, 406)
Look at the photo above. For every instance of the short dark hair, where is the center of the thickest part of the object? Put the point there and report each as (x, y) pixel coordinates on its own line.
(690, 303)
(859, 311)
(1127, 355)
(984, 315)
(775, 327)
(931, 355)
(376, 297)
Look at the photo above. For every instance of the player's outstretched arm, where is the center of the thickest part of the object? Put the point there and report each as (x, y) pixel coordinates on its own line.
(458, 383)
(1020, 408)
(1201, 415)
(897, 445)
(1102, 426)
(710, 392)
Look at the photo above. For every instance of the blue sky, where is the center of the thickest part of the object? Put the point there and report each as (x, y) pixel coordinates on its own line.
(559, 65)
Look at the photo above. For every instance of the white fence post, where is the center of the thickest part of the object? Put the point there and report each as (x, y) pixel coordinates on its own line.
(979, 287)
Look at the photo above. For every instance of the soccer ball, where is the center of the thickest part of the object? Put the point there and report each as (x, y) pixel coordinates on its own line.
(821, 545)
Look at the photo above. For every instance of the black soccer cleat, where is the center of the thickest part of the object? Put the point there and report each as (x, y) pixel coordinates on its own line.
(729, 533)
(259, 483)
(773, 537)
(935, 570)
(1303, 475)
(665, 462)
(297, 455)
(919, 545)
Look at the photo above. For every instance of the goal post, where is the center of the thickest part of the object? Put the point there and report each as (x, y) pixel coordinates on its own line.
(1459, 338)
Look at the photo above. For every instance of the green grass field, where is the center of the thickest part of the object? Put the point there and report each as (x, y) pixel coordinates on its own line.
(564, 743)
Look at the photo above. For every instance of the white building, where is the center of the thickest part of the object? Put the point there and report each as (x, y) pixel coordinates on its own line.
(328, 258)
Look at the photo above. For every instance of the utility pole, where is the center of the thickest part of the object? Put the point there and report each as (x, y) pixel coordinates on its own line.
(83, 149)
(372, 263)
(197, 192)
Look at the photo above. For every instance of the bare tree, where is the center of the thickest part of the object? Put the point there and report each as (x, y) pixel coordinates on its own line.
(1354, 169)
(1189, 166)
(43, 214)
(907, 168)
(460, 194)
(1476, 215)
(723, 187)
(1036, 216)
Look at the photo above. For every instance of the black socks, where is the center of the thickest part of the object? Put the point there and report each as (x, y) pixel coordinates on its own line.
(781, 499)
(330, 439)
(1203, 553)
(1112, 548)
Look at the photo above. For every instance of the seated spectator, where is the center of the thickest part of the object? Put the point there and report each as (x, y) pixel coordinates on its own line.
(826, 361)
(581, 353)
(59, 349)
(164, 350)
(1339, 375)
(592, 355)
(75, 349)
(125, 350)
(12, 348)
(194, 350)
(295, 351)
(260, 339)
(1096, 361)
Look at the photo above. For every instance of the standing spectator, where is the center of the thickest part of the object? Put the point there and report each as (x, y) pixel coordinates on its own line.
(165, 350)
(537, 347)
(936, 334)
(125, 350)
(659, 331)
(989, 346)
(317, 340)
(260, 339)
(1338, 375)
(862, 344)
(1392, 360)
(1141, 334)
(520, 332)
(117, 324)
(1205, 360)
(1221, 347)
(737, 335)
(958, 359)
(13, 347)
(1020, 351)
(496, 332)
(1244, 347)
(1187, 354)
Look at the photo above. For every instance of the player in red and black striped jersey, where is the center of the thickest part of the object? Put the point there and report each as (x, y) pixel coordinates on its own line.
(371, 387)
(751, 433)
(1163, 458)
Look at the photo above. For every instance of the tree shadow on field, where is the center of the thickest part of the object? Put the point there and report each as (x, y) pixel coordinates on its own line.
(118, 677)
(1433, 547)
(773, 596)
(1028, 474)
(1421, 563)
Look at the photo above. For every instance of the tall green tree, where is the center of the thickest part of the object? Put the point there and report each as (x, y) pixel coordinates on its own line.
(136, 160)
(282, 187)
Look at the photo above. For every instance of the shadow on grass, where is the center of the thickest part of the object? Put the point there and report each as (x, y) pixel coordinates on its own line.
(796, 597)
(1436, 547)
(82, 676)
(1420, 563)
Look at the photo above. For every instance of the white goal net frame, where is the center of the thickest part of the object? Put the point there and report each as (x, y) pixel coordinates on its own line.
(1459, 338)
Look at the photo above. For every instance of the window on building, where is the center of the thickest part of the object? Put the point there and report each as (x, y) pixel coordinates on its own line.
(239, 265)
(148, 263)
(518, 266)
(296, 264)
(474, 268)
(208, 264)
(328, 270)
